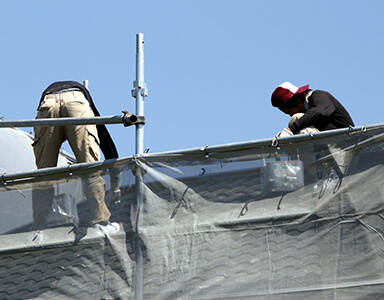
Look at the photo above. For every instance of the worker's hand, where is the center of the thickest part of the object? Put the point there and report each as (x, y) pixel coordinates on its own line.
(286, 132)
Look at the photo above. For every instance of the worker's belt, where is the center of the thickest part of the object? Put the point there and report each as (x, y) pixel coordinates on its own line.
(66, 95)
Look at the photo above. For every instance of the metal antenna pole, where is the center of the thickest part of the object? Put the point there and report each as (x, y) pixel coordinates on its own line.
(86, 83)
(139, 92)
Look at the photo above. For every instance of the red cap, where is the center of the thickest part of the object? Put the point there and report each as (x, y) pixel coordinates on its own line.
(284, 92)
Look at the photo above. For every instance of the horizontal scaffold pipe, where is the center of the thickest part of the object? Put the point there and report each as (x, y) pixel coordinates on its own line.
(268, 143)
(127, 120)
(71, 168)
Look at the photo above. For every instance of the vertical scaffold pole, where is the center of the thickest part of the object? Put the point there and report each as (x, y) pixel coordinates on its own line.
(139, 92)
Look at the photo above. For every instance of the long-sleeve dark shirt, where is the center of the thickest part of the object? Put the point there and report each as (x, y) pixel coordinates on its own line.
(324, 113)
(107, 145)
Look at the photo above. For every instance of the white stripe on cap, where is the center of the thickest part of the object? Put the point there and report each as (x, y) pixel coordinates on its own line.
(289, 86)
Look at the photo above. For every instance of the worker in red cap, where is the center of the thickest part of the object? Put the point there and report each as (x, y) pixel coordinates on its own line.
(317, 109)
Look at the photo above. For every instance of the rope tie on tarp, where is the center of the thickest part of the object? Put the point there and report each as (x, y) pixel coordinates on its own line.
(205, 150)
(5, 183)
(244, 210)
(179, 203)
(70, 171)
(3, 179)
(350, 129)
(364, 128)
(275, 142)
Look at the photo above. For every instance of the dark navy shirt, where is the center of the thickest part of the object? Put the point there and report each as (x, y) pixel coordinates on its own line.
(324, 113)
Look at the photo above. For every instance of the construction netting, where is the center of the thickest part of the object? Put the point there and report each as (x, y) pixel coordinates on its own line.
(290, 218)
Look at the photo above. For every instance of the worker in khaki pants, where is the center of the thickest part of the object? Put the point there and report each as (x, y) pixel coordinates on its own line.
(69, 99)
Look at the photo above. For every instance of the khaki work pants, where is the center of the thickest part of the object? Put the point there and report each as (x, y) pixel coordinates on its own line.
(84, 142)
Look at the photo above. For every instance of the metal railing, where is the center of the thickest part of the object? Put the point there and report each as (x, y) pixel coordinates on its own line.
(127, 119)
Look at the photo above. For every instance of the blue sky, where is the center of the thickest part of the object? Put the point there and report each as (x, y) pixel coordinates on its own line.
(210, 65)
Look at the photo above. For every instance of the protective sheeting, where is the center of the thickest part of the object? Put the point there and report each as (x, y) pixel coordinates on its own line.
(65, 262)
(16, 152)
(16, 155)
(296, 218)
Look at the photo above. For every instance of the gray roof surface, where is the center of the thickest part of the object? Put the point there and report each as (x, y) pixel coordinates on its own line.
(63, 265)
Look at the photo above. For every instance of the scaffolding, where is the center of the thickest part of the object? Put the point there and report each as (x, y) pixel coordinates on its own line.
(139, 92)
(294, 217)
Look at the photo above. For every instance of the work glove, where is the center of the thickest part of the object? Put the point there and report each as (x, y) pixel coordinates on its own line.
(286, 132)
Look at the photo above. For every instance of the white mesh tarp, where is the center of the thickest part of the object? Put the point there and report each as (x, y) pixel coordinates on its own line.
(299, 219)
